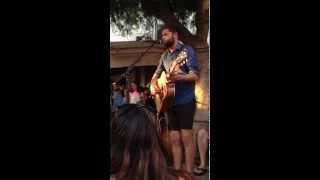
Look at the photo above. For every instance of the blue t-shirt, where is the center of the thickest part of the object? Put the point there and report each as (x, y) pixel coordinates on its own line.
(185, 91)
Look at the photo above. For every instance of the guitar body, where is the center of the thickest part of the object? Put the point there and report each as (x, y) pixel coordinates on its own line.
(166, 96)
(164, 99)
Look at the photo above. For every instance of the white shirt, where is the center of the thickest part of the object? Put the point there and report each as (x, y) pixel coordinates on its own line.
(134, 97)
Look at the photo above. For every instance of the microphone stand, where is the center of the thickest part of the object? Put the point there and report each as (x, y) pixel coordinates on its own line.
(128, 72)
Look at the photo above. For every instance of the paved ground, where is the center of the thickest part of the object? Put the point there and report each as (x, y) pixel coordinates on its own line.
(204, 177)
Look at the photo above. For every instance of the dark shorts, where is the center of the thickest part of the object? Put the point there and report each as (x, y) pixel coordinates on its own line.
(181, 116)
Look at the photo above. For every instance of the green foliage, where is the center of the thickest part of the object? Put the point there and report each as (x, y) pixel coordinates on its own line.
(129, 15)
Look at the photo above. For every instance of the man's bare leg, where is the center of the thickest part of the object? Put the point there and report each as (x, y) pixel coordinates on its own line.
(187, 139)
(176, 148)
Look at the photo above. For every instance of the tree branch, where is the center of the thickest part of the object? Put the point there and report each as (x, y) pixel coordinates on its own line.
(160, 10)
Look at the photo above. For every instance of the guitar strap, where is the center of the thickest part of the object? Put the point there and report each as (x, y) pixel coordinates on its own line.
(180, 50)
(159, 123)
(167, 124)
(166, 53)
(161, 131)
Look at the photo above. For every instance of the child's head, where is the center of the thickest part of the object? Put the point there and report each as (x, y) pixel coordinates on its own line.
(133, 86)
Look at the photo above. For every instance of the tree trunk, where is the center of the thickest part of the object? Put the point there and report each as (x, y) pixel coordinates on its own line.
(202, 20)
(202, 86)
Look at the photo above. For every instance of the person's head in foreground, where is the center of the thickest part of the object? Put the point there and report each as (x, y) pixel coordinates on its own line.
(136, 152)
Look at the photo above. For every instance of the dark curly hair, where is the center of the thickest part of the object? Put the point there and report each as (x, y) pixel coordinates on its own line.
(136, 151)
(171, 27)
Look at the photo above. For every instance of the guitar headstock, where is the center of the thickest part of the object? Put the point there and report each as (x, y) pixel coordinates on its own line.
(182, 57)
(180, 60)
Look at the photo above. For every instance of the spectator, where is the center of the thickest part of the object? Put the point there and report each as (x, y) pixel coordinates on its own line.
(202, 142)
(134, 95)
(117, 97)
(136, 151)
(149, 101)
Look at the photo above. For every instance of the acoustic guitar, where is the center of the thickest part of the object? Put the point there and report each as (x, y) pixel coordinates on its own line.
(164, 99)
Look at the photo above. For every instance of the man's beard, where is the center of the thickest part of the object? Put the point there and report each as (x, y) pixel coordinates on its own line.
(168, 43)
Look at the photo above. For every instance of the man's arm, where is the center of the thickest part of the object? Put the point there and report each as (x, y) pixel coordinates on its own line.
(192, 64)
(154, 88)
(183, 77)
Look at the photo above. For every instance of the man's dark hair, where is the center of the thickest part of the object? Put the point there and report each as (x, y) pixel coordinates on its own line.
(170, 27)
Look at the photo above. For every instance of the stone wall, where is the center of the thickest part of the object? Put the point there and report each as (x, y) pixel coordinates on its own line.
(202, 89)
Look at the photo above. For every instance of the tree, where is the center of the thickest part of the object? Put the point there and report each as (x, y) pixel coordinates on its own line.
(127, 15)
